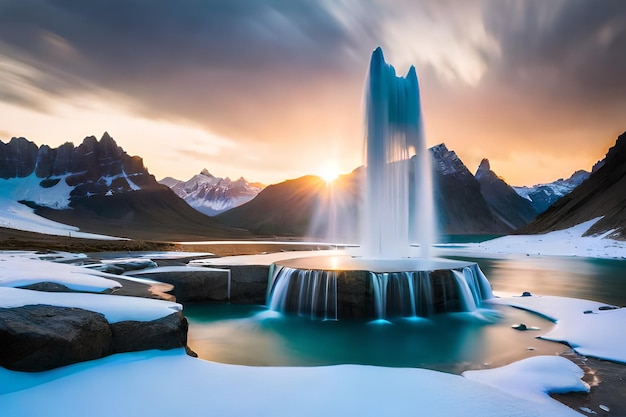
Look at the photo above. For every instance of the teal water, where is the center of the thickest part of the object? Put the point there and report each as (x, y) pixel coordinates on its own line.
(251, 335)
(600, 280)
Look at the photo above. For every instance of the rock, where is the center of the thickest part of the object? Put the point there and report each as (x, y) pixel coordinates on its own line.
(248, 283)
(46, 286)
(40, 337)
(169, 332)
(605, 308)
(191, 284)
(526, 294)
(520, 326)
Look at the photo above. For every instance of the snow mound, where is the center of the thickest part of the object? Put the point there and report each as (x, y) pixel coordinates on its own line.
(232, 390)
(19, 271)
(534, 378)
(589, 327)
(114, 308)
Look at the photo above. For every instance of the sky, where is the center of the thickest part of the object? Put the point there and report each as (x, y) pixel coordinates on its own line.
(272, 90)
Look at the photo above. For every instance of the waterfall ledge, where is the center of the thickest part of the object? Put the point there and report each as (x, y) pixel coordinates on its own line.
(345, 287)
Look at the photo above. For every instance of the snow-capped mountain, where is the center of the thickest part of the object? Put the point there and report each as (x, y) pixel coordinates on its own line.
(212, 195)
(542, 196)
(461, 208)
(96, 187)
(600, 198)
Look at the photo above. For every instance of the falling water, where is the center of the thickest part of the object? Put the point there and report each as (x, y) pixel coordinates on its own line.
(394, 134)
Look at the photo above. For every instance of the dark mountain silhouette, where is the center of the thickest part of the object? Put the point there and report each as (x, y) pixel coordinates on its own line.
(504, 201)
(308, 206)
(603, 194)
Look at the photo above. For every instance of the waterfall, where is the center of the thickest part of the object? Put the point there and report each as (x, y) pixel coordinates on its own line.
(306, 293)
(315, 294)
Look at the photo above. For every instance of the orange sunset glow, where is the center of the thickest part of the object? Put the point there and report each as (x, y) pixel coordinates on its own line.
(274, 90)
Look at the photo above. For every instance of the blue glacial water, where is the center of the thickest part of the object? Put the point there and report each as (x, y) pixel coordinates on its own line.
(251, 335)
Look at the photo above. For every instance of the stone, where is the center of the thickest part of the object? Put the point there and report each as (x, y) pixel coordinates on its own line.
(192, 285)
(169, 332)
(41, 337)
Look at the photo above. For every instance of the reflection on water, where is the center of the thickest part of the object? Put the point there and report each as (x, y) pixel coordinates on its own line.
(592, 279)
(452, 343)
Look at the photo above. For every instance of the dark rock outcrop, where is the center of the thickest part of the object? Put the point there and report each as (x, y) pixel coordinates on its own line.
(17, 158)
(41, 337)
(459, 204)
(193, 285)
(504, 201)
(169, 332)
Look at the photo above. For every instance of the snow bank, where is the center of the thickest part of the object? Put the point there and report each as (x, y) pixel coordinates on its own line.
(114, 308)
(193, 387)
(580, 323)
(534, 378)
(567, 242)
(19, 271)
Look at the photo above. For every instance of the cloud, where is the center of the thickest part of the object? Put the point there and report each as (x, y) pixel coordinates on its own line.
(286, 76)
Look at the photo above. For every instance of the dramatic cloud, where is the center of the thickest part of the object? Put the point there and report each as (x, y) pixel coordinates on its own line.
(282, 80)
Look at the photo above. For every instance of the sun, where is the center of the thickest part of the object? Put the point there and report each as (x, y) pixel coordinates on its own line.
(329, 173)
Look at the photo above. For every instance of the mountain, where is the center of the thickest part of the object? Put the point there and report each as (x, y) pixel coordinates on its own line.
(308, 206)
(212, 195)
(459, 203)
(304, 206)
(505, 203)
(542, 196)
(602, 195)
(99, 188)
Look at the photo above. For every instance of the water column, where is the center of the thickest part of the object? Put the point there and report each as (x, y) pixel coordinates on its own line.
(394, 135)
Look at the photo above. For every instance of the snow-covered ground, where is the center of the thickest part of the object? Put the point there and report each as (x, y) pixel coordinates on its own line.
(567, 242)
(156, 383)
(197, 387)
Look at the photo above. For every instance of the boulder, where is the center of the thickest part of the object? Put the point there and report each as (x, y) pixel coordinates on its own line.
(169, 332)
(41, 337)
(37, 338)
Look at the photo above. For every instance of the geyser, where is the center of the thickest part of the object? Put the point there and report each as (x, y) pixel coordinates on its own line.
(383, 281)
(394, 142)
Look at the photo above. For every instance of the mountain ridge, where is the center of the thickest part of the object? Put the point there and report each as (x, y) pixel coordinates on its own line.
(99, 188)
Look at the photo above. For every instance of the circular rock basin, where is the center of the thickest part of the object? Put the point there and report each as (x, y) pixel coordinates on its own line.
(345, 287)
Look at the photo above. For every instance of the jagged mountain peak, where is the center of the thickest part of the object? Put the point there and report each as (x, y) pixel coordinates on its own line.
(206, 173)
(212, 195)
(484, 166)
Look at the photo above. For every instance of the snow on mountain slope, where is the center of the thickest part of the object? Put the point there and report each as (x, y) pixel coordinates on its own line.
(212, 195)
(15, 215)
(543, 196)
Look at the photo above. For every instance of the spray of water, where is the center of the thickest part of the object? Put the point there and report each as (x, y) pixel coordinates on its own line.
(394, 141)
